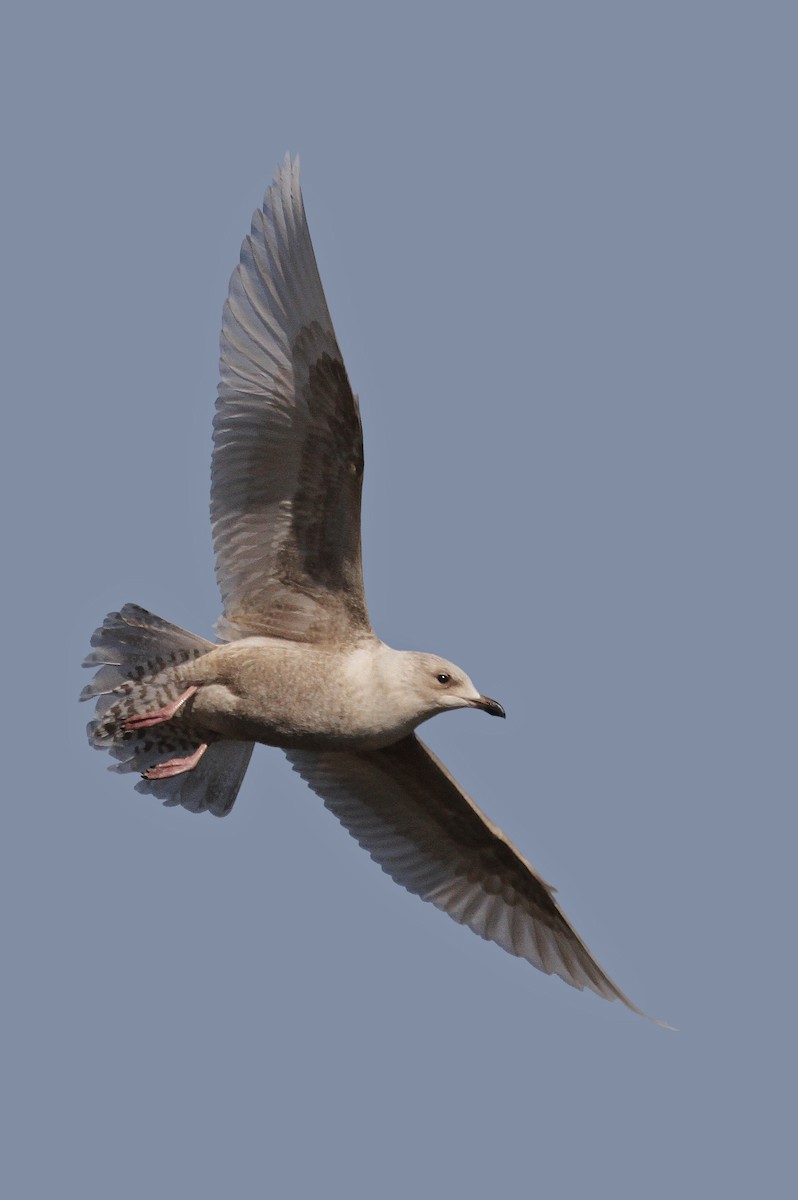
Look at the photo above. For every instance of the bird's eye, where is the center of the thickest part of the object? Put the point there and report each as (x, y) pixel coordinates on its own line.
(443, 678)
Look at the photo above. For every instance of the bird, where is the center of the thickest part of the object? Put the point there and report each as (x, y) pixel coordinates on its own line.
(297, 664)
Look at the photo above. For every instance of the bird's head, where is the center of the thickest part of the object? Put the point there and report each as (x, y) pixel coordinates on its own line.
(439, 685)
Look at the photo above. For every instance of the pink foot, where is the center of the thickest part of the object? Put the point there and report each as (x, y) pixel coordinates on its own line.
(176, 766)
(162, 714)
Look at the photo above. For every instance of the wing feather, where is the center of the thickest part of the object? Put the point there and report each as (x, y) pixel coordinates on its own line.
(288, 446)
(403, 806)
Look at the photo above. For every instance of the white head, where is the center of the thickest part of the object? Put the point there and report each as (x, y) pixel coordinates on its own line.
(437, 685)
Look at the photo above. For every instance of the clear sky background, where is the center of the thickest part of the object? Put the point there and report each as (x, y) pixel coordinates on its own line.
(559, 246)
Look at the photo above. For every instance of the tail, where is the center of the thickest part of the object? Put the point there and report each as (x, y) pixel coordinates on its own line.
(141, 661)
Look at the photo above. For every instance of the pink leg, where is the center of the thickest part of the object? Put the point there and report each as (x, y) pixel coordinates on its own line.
(144, 720)
(176, 766)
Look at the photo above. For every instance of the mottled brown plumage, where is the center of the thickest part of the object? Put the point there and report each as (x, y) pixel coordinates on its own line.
(301, 667)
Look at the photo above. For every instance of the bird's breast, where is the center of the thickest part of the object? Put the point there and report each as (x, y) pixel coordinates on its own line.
(294, 697)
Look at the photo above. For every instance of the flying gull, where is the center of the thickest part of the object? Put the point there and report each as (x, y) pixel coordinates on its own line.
(299, 666)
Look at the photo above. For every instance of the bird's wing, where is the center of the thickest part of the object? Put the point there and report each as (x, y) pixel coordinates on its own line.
(288, 447)
(403, 806)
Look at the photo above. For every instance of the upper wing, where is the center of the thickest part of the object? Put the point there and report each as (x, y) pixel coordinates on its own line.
(403, 806)
(288, 447)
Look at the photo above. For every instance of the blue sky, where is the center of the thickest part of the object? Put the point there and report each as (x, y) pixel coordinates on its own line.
(558, 244)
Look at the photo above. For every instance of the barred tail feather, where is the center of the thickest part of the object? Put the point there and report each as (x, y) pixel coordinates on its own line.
(141, 665)
(133, 644)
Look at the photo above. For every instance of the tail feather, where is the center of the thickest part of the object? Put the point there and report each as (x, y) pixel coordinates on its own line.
(141, 660)
(213, 784)
(134, 643)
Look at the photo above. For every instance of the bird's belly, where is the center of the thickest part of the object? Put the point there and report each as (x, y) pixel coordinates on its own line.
(295, 726)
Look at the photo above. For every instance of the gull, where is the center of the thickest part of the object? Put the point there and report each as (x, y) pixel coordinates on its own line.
(298, 665)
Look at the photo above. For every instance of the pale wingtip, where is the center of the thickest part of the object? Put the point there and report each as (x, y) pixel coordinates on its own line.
(654, 1020)
(641, 1012)
(288, 167)
(285, 175)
